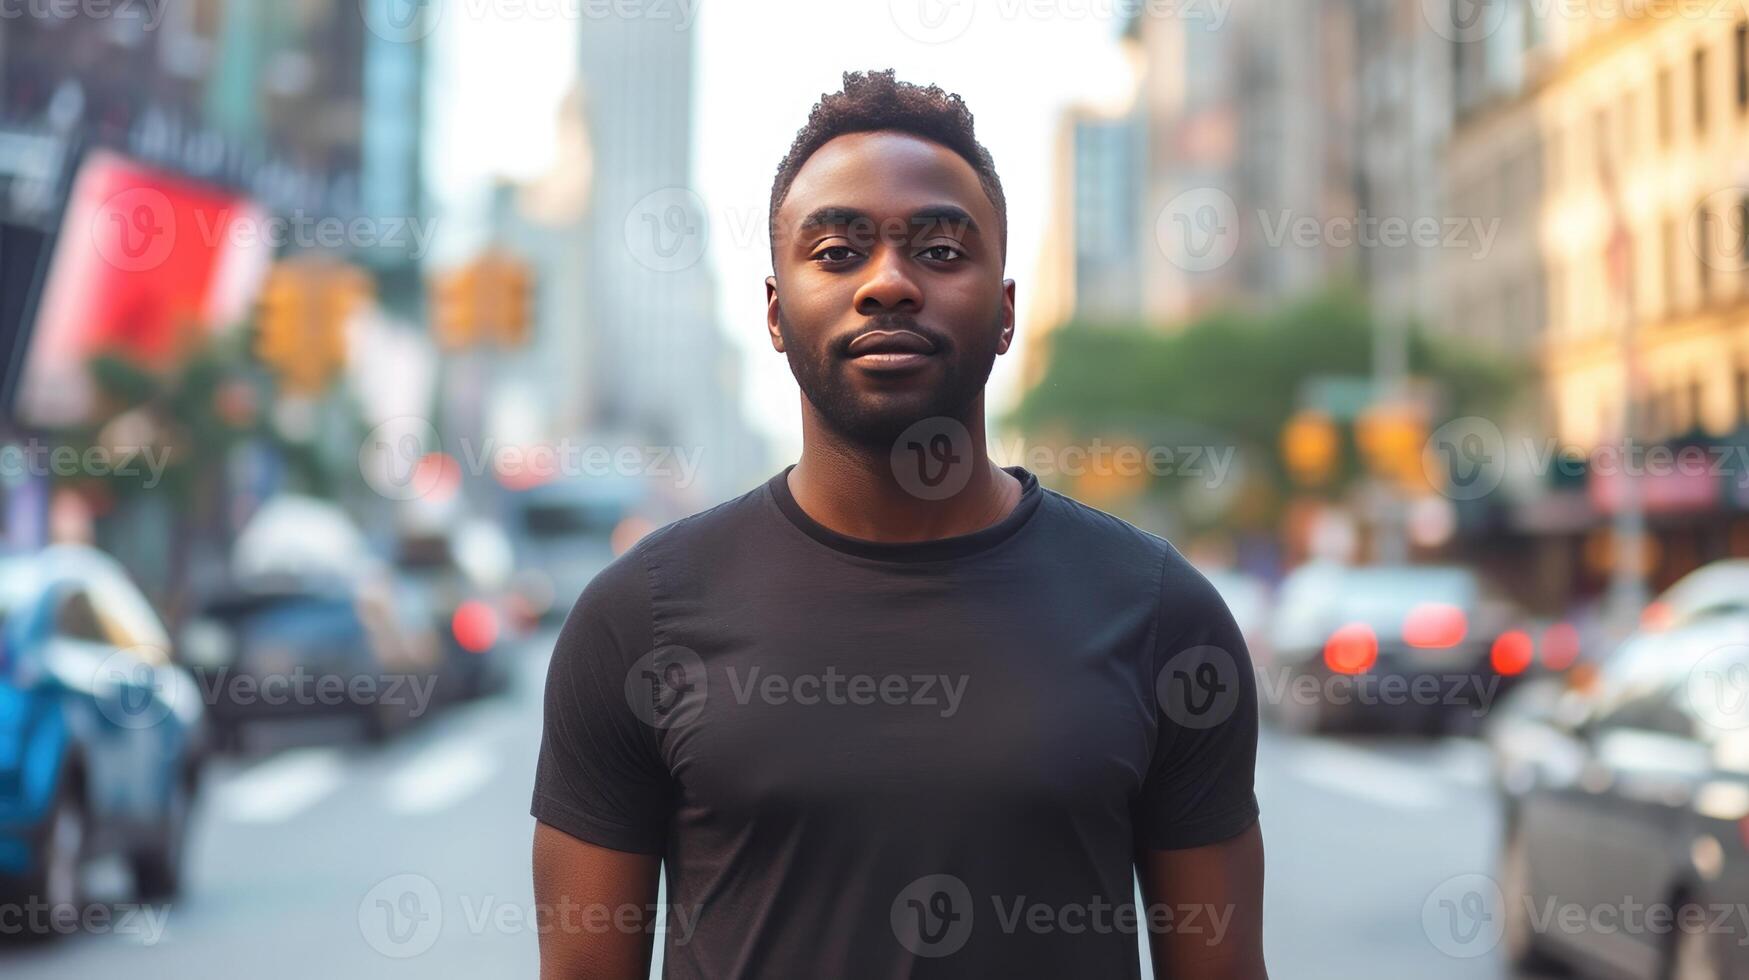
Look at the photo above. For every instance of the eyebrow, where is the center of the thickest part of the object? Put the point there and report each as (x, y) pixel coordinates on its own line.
(833, 215)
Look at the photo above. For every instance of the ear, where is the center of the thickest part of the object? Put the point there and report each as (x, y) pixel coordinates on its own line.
(771, 311)
(1007, 316)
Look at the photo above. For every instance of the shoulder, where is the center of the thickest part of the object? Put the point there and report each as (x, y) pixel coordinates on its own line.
(623, 586)
(1181, 588)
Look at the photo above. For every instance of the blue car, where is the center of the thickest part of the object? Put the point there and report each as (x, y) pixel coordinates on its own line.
(101, 734)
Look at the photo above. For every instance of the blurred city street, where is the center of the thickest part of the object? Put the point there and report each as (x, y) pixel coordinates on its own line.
(294, 846)
(344, 342)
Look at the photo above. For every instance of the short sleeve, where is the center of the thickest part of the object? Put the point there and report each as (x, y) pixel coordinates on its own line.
(600, 776)
(1199, 786)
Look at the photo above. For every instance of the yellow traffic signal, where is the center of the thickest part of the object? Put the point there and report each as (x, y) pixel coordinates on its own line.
(1392, 438)
(455, 313)
(490, 298)
(1309, 446)
(301, 334)
(513, 285)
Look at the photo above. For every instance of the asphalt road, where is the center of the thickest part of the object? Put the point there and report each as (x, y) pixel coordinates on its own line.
(336, 861)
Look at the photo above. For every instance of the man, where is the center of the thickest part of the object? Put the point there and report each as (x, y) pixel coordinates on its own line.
(899, 712)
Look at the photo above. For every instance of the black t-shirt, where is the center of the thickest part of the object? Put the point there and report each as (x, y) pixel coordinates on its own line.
(873, 760)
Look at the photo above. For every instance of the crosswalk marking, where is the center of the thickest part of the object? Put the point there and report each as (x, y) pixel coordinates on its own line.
(281, 787)
(440, 776)
(1367, 775)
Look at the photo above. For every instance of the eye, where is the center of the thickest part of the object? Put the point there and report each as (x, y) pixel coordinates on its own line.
(943, 253)
(834, 254)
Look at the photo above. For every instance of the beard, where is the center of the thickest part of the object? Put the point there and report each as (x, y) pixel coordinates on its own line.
(876, 419)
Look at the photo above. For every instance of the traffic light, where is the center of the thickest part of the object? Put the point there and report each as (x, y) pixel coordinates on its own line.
(455, 313)
(1392, 438)
(1308, 446)
(513, 287)
(490, 298)
(301, 332)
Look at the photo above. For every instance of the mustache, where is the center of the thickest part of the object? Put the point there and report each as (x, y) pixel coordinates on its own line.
(889, 322)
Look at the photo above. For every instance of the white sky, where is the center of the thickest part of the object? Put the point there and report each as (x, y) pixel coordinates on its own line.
(761, 65)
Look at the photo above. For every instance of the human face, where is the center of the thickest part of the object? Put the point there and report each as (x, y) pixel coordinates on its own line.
(889, 300)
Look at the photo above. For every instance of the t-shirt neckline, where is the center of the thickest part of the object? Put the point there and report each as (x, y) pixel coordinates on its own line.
(957, 546)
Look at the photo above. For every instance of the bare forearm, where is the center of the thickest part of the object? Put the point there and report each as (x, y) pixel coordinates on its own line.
(1209, 905)
(597, 909)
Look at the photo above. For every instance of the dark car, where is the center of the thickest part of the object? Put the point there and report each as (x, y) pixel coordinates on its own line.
(443, 585)
(278, 647)
(1633, 795)
(1403, 647)
(101, 734)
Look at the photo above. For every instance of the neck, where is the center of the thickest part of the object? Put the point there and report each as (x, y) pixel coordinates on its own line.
(856, 490)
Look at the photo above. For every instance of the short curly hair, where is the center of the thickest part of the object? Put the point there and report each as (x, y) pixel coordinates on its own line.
(875, 100)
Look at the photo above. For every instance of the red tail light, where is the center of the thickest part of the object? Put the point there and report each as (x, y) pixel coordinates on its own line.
(1560, 646)
(475, 626)
(1435, 626)
(1512, 653)
(1352, 649)
(1656, 617)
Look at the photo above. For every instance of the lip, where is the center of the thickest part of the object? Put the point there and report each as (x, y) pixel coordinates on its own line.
(891, 361)
(887, 343)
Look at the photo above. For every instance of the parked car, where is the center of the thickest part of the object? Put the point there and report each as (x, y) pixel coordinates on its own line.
(563, 534)
(1633, 792)
(1406, 646)
(1714, 588)
(457, 580)
(101, 734)
(276, 647)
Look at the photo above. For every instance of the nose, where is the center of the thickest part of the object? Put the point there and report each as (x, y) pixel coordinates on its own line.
(889, 286)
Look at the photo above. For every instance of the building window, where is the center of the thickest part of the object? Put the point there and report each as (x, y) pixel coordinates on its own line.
(1741, 47)
(1667, 263)
(1666, 94)
(1703, 266)
(1742, 394)
(1630, 114)
(1700, 92)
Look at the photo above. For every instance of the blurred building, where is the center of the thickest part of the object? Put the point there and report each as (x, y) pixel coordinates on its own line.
(627, 348)
(1610, 148)
(1295, 64)
(1646, 119)
(1404, 109)
(1092, 270)
(1328, 114)
(1190, 119)
(295, 111)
